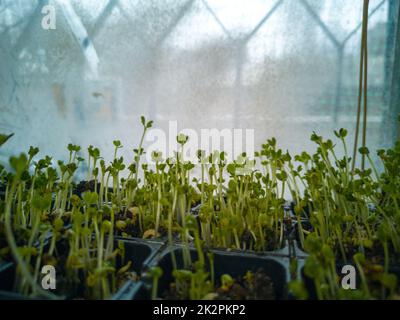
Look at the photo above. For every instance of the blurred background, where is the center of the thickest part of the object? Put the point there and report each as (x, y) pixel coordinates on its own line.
(284, 68)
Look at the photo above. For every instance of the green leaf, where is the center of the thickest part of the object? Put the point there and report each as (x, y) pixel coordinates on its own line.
(182, 138)
(313, 243)
(389, 280)
(363, 150)
(20, 163)
(298, 289)
(328, 253)
(360, 258)
(41, 202)
(4, 138)
(90, 197)
(156, 272)
(312, 267)
(33, 151)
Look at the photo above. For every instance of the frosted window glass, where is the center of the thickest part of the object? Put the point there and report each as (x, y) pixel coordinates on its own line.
(282, 67)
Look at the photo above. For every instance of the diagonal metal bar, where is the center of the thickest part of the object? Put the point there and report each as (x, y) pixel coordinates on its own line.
(178, 18)
(80, 33)
(19, 45)
(101, 20)
(322, 25)
(263, 20)
(217, 19)
(351, 34)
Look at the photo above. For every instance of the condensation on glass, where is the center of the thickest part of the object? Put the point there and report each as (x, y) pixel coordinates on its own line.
(282, 67)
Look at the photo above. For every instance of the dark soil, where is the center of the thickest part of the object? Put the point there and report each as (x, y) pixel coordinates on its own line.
(270, 240)
(132, 228)
(84, 186)
(260, 287)
(375, 255)
(257, 286)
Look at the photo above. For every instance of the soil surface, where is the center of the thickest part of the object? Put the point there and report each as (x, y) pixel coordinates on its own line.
(254, 286)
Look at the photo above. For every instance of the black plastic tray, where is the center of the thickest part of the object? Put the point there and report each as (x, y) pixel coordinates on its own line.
(7, 274)
(285, 251)
(141, 252)
(232, 263)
